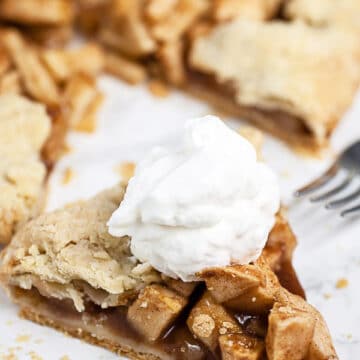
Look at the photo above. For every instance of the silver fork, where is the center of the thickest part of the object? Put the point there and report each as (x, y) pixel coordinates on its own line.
(349, 162)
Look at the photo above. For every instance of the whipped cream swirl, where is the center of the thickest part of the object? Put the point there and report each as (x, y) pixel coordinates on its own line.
(201, 201)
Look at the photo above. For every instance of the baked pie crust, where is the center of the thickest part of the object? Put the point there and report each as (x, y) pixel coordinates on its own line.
(24, 128)
(291, 79)
(66, 271)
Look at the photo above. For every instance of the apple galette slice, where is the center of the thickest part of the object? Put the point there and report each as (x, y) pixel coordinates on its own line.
(66, 271)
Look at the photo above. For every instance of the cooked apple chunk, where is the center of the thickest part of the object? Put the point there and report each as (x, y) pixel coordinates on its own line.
(208, 320)
(241, 277)
(154, 311)
(181, 287)
(245, 288)
(320, 347)
(289, 334)
(258, 300)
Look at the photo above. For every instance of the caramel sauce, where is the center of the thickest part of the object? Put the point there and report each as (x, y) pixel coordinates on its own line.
(289, 280)
(176, 343)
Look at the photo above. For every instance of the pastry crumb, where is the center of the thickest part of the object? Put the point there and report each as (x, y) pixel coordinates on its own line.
(68, 175)
(327, 296)
(86, 124)
(9, 323)
(67, 149)
(342, 283)
(65, 357)
(22, 338)
(8, 356)
(34, 356)
(158, 88)
(126, 170)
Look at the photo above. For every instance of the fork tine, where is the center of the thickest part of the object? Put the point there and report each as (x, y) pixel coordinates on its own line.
(319, 182)
(343, 201)
(350, 211)
(333, 191)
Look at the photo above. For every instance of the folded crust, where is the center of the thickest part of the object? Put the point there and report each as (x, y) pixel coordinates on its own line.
(300, 90)
(24, 127)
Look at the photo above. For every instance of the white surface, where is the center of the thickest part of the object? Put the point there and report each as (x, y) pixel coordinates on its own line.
(130, 122)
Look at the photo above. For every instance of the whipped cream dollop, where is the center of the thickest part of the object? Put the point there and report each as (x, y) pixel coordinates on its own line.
(200, 201)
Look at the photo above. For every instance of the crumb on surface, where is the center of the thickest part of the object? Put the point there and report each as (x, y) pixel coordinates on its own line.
(86, 124)
(327, 296)
(10, 354)
(126, 170)
(342, 283)
(67, 149)
(158, 88)
(65, 357)
(34, 356)
(23, 338)
(68, 175)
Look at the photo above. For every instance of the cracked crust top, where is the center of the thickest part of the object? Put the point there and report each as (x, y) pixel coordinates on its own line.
(69, 252)
(311, 73)
(24, 127)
